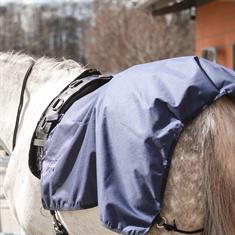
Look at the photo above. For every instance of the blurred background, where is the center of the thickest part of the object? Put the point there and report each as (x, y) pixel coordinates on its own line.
(108, 35)
(112, 35)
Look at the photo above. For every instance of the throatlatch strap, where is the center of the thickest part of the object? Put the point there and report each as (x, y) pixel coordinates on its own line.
(162, 223)
(21, 104)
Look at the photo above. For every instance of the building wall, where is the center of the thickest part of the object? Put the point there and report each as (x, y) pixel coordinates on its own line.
(215, 27)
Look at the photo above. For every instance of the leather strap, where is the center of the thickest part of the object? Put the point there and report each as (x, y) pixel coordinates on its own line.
(21, 103)
(58, 226)
(162, 223)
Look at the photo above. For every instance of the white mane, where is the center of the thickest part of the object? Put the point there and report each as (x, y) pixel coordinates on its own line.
(43, 64)
(11, 57)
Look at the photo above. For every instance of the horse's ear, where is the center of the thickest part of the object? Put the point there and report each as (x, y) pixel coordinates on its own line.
(219, 170)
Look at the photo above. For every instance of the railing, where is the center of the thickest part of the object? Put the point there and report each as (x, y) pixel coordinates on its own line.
(7, 223)
(3, 166)
(4, 209)
(4, 161)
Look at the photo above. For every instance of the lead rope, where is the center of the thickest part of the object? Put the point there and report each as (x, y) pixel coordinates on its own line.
(162, 223)
(58, 227)
(21, 104)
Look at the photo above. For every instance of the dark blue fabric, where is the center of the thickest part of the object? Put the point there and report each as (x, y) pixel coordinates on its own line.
(113, 147)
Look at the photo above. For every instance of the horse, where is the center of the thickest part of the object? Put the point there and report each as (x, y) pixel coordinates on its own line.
(200, 189)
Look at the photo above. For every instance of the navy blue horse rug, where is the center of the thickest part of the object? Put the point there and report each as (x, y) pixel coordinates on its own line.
(113, 147)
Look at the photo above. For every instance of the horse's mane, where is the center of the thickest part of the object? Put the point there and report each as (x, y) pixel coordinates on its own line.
(13, 58)
(45, 64)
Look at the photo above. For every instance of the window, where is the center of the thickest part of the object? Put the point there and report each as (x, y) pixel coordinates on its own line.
(209, 53)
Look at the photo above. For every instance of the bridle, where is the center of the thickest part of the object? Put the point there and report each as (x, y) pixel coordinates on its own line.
(160, 221)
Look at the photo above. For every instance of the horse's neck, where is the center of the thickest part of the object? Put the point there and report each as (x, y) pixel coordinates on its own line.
(11, 78)
(43, 85)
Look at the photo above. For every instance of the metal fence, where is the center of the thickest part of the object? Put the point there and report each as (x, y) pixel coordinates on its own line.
(3, 166)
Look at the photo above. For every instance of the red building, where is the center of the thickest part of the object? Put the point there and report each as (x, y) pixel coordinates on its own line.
(215, 25)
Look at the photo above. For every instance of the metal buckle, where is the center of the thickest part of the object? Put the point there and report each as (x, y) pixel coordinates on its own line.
(162, 222)
(75, 83)
(57, 104)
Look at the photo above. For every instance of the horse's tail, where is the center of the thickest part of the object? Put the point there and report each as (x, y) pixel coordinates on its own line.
(219, 156)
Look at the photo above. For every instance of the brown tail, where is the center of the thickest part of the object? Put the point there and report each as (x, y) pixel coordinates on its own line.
(219, 155)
